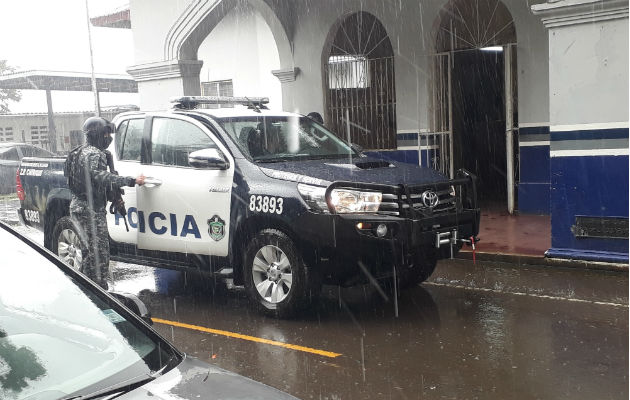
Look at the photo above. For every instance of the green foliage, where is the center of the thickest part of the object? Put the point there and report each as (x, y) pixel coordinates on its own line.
(7, 95)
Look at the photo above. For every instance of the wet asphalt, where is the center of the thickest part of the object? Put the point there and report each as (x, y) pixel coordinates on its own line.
(485, 331)
(453, 338)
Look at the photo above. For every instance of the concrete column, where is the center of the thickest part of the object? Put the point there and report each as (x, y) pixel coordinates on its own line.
(287, 76)
(159, 81)
(588, 109)
(52, 132)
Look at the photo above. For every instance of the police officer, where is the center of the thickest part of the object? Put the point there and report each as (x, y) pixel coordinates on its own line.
(89, 181)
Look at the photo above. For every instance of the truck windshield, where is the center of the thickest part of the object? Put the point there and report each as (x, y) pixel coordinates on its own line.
(278, 138)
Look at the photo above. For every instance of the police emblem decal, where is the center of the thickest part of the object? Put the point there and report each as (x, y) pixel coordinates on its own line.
(216, 228)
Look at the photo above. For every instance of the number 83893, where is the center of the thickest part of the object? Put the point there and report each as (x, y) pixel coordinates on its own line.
(266, 204)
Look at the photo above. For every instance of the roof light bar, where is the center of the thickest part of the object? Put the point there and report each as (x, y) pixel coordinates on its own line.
(193, 101)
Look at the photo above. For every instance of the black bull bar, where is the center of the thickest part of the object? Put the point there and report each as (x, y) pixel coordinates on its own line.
(464, 184)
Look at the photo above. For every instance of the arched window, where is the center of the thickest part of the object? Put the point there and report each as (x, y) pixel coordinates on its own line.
(474, 24)
(359, 82)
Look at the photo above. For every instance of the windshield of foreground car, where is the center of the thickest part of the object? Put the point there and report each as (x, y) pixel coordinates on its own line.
(278, 138)
(59, 337)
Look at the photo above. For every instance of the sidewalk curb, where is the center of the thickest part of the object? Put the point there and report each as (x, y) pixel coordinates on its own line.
(543, 261)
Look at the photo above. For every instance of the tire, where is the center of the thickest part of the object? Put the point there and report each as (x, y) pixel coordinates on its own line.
(417, 273)
(276, 277)
(66, 243)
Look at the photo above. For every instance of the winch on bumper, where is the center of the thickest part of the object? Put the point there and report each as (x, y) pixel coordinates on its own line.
(404, 227)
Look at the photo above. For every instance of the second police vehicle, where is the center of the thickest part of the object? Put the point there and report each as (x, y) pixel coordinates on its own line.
(271, 199)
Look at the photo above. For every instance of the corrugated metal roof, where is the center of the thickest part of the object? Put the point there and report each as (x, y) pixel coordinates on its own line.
(67, 81)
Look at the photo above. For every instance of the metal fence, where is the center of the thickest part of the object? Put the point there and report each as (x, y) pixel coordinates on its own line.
(436, 146)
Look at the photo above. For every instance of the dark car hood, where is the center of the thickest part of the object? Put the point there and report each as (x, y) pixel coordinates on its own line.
(364, 169)
(196, 380)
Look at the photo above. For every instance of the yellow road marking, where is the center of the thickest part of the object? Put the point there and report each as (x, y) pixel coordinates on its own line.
(247, 337)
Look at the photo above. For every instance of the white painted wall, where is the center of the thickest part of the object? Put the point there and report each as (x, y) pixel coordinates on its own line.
(151, 21)
(242, 48)
(589, 72)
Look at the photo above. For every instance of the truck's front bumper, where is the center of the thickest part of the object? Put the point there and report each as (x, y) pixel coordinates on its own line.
(349, 243)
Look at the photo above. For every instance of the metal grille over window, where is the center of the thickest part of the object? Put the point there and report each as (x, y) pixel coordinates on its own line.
(360, 95)
(223, 88)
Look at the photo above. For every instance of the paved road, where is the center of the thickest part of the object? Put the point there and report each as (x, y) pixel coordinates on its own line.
(490, 331)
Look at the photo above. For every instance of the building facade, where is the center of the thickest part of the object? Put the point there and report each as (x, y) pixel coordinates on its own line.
(529, 95)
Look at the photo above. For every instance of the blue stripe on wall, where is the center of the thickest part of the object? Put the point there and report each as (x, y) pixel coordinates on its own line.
(591, 186)
(533, 130)
(407, 136)
(618, 133)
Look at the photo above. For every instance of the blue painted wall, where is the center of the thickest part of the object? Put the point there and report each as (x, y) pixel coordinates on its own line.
(534, 175)
(595, 186)
(589, 186)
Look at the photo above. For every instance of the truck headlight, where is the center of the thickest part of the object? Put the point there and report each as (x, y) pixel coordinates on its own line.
(354, 201)
(314, 196)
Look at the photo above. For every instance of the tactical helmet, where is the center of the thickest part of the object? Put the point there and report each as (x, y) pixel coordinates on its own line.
(95, 129)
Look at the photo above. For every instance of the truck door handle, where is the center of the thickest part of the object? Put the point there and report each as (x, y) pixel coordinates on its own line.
(151, 182)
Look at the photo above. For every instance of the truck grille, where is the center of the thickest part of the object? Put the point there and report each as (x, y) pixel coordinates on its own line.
(447, 202)
(407, 201)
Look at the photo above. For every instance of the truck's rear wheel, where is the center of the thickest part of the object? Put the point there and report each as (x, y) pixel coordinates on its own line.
(276, 277)
(66, 243)
(417, 273)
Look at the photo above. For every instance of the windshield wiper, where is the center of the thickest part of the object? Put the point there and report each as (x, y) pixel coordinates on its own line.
(122, 387)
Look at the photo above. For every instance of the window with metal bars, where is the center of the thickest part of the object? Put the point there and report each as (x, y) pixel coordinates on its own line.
(222, 88)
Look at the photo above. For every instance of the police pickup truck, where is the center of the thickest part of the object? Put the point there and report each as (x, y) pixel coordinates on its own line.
(271, 199)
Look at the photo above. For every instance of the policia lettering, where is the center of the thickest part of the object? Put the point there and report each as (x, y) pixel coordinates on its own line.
(266, 204)
(160, 224)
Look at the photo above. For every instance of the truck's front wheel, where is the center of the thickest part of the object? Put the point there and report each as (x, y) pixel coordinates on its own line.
(66, 243)
(276, 277)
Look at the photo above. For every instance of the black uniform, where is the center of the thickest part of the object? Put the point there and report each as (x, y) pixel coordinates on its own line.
(90, 182)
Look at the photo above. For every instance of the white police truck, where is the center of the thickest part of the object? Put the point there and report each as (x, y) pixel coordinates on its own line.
(271, 199)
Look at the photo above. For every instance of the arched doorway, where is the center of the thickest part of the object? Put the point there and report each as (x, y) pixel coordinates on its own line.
(475, 109)
(199, 20)
(246, 72)
(359, 83)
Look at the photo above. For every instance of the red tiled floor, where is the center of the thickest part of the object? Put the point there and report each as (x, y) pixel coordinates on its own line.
(502, 233)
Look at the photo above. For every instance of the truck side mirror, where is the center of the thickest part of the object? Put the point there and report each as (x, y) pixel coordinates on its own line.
(356, 148)
(208, 159)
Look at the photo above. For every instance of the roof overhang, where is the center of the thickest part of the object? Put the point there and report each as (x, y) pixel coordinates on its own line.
(68, 81)
(120, 19)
